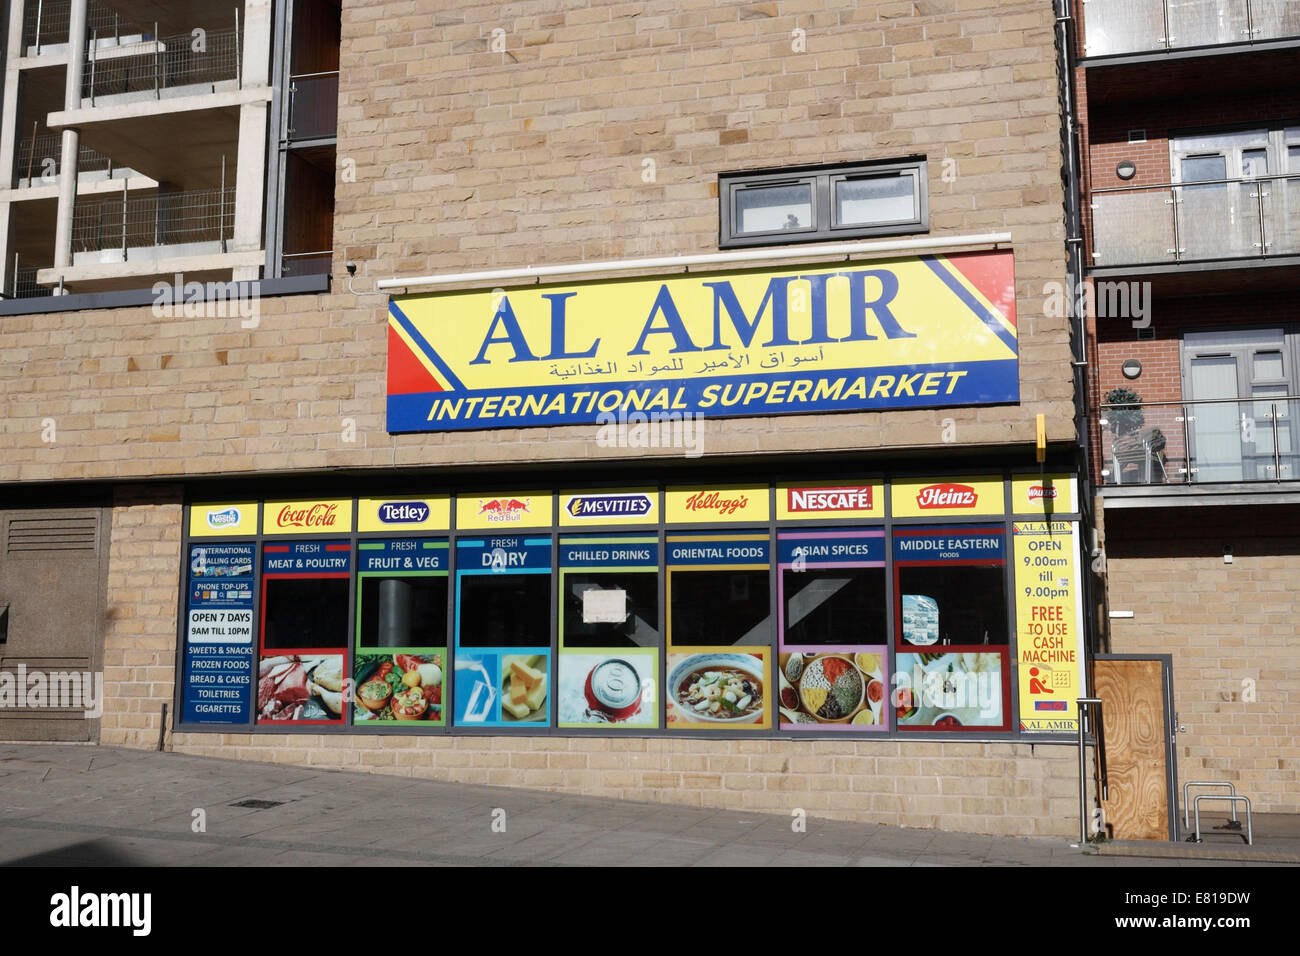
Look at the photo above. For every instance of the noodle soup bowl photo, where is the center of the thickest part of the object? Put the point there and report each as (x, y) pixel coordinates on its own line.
(718, 688)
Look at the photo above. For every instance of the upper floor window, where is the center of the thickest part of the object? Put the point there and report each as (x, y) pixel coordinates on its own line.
(820, 203)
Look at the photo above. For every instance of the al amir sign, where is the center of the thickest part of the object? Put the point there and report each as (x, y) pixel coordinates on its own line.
(905, 333)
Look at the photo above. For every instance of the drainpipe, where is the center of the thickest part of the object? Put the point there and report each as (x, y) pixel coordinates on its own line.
(71, 137)
(1065, 46)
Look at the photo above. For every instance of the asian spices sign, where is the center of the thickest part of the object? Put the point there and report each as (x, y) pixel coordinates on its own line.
(917, 332)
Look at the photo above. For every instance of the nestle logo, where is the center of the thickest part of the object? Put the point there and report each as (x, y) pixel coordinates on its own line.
(600, 506)
(1039, 492)
(1049, 705)
(854, 498)
(946, 496)
(403, 512)
(227, 518)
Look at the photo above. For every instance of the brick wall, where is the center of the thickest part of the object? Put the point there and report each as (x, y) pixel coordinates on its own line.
(456, 157)
(1231, 630)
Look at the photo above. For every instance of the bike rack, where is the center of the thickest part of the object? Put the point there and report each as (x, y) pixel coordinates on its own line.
(1187, 802)
(1233, 800)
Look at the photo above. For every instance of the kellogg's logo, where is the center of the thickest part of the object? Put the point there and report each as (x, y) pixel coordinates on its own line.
(503, 509)
(319, 515)
(714, 502)
(1042, 492)
(946, 496)
(226, 518)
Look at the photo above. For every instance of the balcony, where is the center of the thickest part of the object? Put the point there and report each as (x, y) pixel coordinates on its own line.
(313, 106)
(1175, 223)
(165, 67)
(193, 222)
(1114, 27)
(1196, 443)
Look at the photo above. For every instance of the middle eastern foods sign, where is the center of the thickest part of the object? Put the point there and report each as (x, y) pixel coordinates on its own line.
(919, 332)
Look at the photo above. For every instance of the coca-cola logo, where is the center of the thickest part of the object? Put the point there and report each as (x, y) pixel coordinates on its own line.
(946, 496)
(1040, 492)
(714, 501)
(319, 515)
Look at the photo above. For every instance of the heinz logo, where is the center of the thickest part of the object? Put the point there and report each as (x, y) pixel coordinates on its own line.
(1049, 705)
(319, 515)
(226, 518)
(712, 501)
(1042, 492)
(602, 506)
(503, 509)
(829, 499)
(946, 496)
(403, 512)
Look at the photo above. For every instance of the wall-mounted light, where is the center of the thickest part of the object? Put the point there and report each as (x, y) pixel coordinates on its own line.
(1126, 170)
(1131, 368)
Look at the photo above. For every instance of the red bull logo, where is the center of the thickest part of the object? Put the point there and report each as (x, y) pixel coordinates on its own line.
(503, 509)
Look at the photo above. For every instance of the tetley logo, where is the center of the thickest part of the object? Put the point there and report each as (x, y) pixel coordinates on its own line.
(226, 518)
(403, 512)
(947, 496)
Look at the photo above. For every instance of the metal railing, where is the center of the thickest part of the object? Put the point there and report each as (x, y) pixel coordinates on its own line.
(313, 106)
(1159, 443)
(46, 23)
(1136, 26)
(37, 160)
(162, 219)
(164, 64)
(306, 263)
(1183, 222)
(22, 283)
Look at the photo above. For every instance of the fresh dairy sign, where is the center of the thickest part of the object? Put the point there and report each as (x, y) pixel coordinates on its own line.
(905, 333)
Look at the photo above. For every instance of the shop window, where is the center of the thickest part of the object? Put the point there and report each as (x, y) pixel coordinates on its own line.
(772, 207)
(609, 631)
(304, 631)
(831, 605)
(401, 639)
(503, 631)
(719, 630)
(218, 664)
(951, 628)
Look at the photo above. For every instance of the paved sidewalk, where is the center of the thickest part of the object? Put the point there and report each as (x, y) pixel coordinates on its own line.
(88, 805)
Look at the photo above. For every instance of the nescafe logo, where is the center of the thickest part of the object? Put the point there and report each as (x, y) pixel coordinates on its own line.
(946, 496)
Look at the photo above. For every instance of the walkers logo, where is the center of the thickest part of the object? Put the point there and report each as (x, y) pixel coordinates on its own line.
(802, 500)
(1041, 493)
(504, 510)
(76, 909)
(946, 496)
(597, 507)
(403, 512)
(225, 518)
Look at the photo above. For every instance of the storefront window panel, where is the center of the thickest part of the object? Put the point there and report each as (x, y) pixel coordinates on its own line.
(719, 631)
(833, 661)
(218, 663)
(304, 631)
(951, 629)
(503, 632)
(401, 638)
(609, 631)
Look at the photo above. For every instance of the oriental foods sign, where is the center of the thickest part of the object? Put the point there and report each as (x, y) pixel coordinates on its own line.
(904, 333)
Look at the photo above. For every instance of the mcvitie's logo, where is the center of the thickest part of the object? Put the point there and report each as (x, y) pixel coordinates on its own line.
(609, 506)
(226, 518)
(946, 496)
